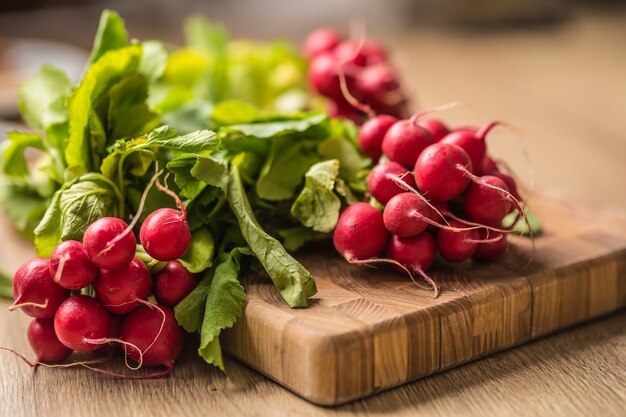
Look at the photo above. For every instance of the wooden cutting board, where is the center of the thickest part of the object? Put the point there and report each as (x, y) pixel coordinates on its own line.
(369, 329)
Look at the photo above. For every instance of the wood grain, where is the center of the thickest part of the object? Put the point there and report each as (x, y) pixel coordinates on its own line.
(377, 329)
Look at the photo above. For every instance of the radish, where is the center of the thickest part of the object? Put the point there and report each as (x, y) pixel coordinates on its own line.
(343, 109)
(82, 324)
(510, 183)
(381, 181)
(109, 243)
(436, 128)
(488, 166)
(372, 133)
(34, 290)
(417, 253)
(155, 332)
(362, 54)
(165, 234)
(457, 245)
(172, 284)
(120, 291)
(378, 86)
(492, 246)
(321, 40)
(70, 267)
(324, 76)
(405, 213)
(437, 171)
(44, 341)
(404, 141)
(360, 233)
(473, 143)
(487, 201)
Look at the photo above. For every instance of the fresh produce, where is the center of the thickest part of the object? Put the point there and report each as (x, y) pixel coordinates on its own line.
(35, 291)
(355, 76)
(168, 174)
(242, 177)
(70, 267)
(44, 341)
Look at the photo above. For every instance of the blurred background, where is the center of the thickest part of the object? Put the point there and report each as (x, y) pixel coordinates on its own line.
(554, 69)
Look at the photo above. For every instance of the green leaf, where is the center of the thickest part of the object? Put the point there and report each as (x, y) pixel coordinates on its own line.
(200, 34)
(190, 117)
(231, 112)
(317, 206)
(85, 127)
(23, 206)
(13, 159)
(292, 279)
(350, 160)
(267, 130)
(296, 237)
(199, 256)
(42, 98)
(153, 60)
(211, 171)
(73, 209)
(343, 190)
(520, 227)
(189, 186)
(285, 167)
(190, 311)
(111, 35)
(128, 112)
(6, 286)
(224, 305)
(202, 140)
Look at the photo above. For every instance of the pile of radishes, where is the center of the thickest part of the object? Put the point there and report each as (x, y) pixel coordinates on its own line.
(370, 81)
(441, 192)
(94, 295)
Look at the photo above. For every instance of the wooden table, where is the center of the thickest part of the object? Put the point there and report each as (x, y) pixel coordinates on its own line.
(566, 87)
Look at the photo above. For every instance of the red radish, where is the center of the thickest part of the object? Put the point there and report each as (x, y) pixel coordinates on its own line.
(510, 183)
(437, 174)
(360, 232)
(113, 346)
(488, 166)
(165, 234)
(44, 341)
(82, 324)
(381, 181)
(34, 290)
(404, 141)
(324, 76)
(473, 143)
(321, 40)
(365, 53)
(457, 246)
(493, 246)
(119, 291)
(343, 109)
(172, 284)
(416, 253)
(70, 267)
(435, 126)
(405, 213)
(109, 244)
(379, 87)
(156, 333)
(487, 201)
(372, 133)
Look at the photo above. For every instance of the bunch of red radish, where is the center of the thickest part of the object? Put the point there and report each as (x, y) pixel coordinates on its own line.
(370, 81)
(440, 190)
(56, 292)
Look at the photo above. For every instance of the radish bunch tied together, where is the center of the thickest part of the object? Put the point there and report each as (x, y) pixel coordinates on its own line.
(440, 192)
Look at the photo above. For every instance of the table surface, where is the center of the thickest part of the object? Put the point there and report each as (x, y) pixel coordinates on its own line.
(566, 86)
